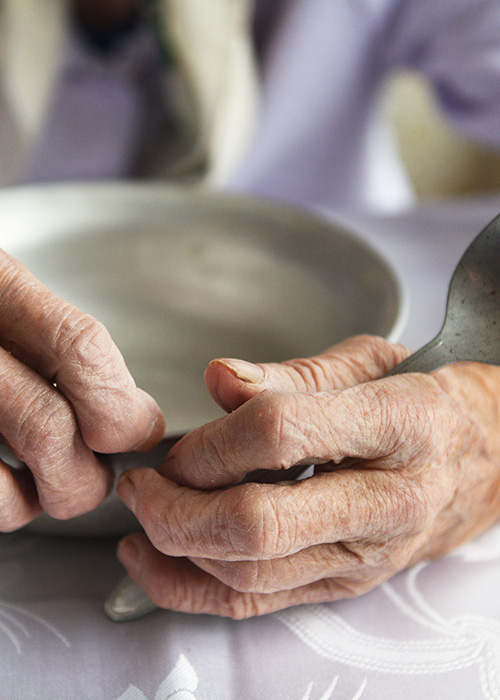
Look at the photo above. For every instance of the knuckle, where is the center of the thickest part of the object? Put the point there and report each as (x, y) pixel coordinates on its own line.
(236, 528)
(311, 373)
(378, 409)
(380, 353)
(362, 357)
(241, 576)
(409, 507)
(416, 508)
(393, 420)
(281, 432)
(238, 525)
(412, 508)
(374, 562)
(165, 522)
(250, 524)
(92, 374)
(240, 606)
(210, 449)
(165, 531)
(83, 341)
(46, 439)
(45, 426)
(266, 421)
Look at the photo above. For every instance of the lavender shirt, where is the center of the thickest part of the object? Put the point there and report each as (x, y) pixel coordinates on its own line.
(108, 110)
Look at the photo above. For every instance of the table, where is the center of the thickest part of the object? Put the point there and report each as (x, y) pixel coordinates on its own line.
(432, 631)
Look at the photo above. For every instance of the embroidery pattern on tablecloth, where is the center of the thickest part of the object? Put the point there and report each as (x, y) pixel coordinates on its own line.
(464, 641)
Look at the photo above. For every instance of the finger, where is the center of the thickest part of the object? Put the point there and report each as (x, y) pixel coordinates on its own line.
(178, 584)
(254, 522)
(18, 498)
(231, 382)
(276, 431)
(40, 428)
(74, 351)
(357, 565)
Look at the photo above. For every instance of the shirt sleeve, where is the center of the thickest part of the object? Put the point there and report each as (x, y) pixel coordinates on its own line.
(320, 138)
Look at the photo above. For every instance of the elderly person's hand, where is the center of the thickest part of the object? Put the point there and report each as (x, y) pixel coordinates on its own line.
(64, 392)
(409, 467)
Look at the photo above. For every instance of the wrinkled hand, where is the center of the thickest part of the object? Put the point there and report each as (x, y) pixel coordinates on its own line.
(64, 392)
(409, 468)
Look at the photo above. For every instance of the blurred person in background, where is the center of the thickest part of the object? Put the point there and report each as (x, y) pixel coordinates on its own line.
(280, 97)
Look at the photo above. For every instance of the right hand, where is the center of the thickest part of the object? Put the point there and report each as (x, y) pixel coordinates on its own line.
(65, 392)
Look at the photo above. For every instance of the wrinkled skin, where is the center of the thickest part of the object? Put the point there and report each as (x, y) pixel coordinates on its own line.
(409, 468)
(65, 392)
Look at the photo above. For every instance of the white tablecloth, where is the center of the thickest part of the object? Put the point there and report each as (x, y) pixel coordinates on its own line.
(431, 632)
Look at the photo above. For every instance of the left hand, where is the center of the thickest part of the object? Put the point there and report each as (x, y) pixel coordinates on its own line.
(409, 468)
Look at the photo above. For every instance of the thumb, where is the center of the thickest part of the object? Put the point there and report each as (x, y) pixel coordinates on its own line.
(358, 359)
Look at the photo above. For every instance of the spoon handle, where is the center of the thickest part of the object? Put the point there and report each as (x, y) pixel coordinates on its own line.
(430, 357)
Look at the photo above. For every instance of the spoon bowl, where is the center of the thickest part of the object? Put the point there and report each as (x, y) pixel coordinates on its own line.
(471, 328)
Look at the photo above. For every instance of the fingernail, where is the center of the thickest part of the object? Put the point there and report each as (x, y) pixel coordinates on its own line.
(125, 489)
(246, 371)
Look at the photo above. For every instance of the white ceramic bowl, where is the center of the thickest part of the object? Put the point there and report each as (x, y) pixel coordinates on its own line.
(182, 275)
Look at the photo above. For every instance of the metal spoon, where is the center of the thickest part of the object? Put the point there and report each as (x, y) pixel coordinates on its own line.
(470, 332)
(471, 328)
